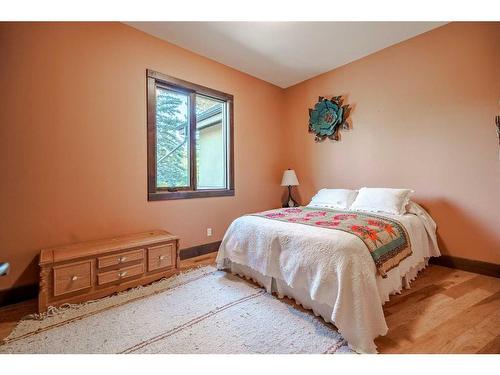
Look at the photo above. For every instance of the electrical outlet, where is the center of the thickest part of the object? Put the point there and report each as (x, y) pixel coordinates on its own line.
(209, 232)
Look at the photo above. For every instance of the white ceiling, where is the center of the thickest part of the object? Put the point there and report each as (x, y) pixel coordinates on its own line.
(284, 53)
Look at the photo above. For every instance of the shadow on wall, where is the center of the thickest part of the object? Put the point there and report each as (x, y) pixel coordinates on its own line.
(31, 269)
(23, 292)
(454, 223)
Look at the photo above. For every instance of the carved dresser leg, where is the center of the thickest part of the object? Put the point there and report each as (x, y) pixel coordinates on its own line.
(43, 292)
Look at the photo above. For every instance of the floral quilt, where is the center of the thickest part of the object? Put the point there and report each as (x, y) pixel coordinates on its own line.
(386, 239)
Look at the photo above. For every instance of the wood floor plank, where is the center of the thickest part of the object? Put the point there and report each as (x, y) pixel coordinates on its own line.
(411, 297)
(433, 277)
(10, 315)
(477, 282)
(474, 338)
(470, 324)
(431, 314)
(425, 278)
(198, 261)
(493, 347)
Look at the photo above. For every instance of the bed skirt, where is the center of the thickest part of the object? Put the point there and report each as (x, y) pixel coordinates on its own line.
(394, 284)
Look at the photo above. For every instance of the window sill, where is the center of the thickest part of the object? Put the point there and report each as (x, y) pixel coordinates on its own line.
(168, 195)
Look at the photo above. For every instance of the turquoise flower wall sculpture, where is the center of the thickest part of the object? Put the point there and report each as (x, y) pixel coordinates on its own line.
(328, 117)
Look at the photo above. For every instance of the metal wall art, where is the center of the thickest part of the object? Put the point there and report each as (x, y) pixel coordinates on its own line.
(328, 117)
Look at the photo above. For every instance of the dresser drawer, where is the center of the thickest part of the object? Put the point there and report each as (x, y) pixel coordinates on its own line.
(120, 274)
(125, 257)
(69, 278)
(162, 256)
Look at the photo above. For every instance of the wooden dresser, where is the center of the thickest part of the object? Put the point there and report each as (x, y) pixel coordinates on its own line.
(95, 269)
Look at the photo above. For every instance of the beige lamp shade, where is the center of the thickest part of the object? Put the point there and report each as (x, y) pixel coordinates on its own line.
(289, 178)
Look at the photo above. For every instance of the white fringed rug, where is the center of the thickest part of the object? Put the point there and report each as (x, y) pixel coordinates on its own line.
(201, 311)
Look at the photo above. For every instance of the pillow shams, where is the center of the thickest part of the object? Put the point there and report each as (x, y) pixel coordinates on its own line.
(333, 198)
(391, 201)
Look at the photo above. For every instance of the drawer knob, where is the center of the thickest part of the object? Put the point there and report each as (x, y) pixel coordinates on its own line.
(74, 278)
(123, 259)
(162, 257)
(121, 274)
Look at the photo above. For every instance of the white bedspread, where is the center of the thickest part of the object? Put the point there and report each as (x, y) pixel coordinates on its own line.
(335, 267)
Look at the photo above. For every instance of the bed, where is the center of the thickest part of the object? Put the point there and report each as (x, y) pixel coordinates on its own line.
(326, 270)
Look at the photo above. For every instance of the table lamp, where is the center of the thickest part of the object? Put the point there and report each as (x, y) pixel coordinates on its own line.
(290, 179)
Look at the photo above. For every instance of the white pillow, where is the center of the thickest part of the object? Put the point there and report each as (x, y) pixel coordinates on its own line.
(333, 198)
(391, 201)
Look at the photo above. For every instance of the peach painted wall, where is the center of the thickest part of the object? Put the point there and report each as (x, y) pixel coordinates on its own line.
(73, 140)
(73, 136)
(423, 118)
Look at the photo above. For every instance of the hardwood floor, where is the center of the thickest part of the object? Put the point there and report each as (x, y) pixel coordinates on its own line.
(445, 311)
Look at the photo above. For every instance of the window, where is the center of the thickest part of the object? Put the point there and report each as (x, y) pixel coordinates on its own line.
(190, 133)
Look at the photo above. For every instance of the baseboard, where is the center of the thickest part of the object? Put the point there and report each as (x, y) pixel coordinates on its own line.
(476, 266)
(196, 251)
(30, 291)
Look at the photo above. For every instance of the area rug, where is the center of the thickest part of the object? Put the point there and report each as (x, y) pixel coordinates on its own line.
(201, 311)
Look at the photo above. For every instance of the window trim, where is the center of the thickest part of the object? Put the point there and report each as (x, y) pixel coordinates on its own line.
(154, 193)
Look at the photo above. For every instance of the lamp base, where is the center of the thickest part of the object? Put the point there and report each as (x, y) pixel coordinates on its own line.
(290, 202)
